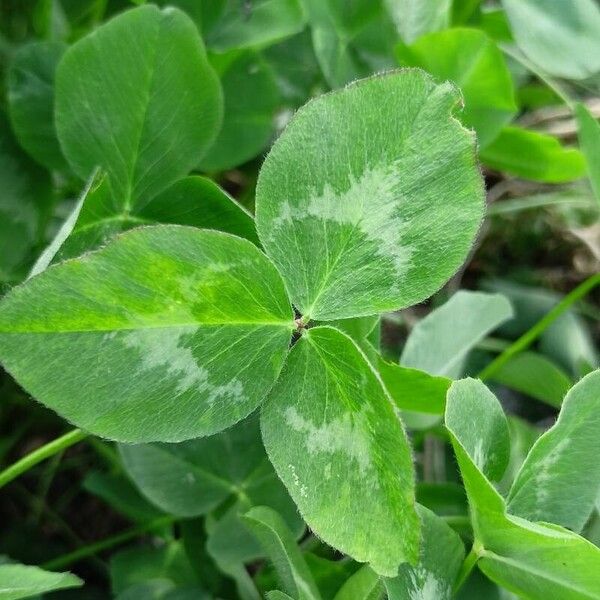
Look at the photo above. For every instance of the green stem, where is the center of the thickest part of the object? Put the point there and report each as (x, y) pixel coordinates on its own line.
(37, 456)
(467, 566)
(532, 334)
(91, 549)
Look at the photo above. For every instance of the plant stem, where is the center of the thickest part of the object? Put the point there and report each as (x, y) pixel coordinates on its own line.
(467, 566)
(91, 549)
(532, 334)
(37, 456)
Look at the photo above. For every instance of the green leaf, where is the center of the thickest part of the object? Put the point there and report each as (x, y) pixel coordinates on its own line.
(588, 130)
(539, 561)
(535, 375)
(331, 432)
(442, 553)
(533, 155)
(251, 99)
(439, 343)
(560, 37)
(200, 202)
(412, 389)
(138, 98)
(231, 25)
(365, 584)
(384, 201)
(280, 545)
(138, 565)
(25, 203)
(471, 60)
(536, 561)
(350, 40)
(191, 478)
(20, 581)
(415, 18)
(31, 100)
(194, 200)
(481, 441)
(278, 595)
(556, 483)
(192, 326)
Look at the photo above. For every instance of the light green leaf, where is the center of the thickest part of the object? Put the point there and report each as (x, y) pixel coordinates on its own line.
(31, 100)
(251, 99)
(535, 375)
(588, 130)
(331, 432)
(471, 60)
(365, 584)
(192, 326)
(49, 254)
(370, 198)
(559, 480)
(20, 581)
(561, 37)
(412, 389)
(231, 25)
(539, 561)
(442, 553)
(439, 343)
(138, 99)
(480, 437)
(415, 18)
(535, 561)
(533, 155)
(280, 545)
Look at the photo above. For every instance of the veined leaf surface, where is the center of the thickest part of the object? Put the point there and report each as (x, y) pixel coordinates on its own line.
(167, 333)
(331, 432)
(138, 98)
(370, 199)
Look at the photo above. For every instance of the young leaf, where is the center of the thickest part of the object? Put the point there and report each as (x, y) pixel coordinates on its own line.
(588, 130)
(415, 18)
(138, 98)
(370, 199)
(556, 483)
(251, 99)
(31, 101)
(440, 342)
(535, 375)
(166, 334)
(331, 432)
(442, 553)
(560, 37)
(533, 155)
(365, 584)
(280, 545)
(20, 581)
(473, 62)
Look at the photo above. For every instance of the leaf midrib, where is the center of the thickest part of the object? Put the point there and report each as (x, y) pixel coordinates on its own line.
(284, 324)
